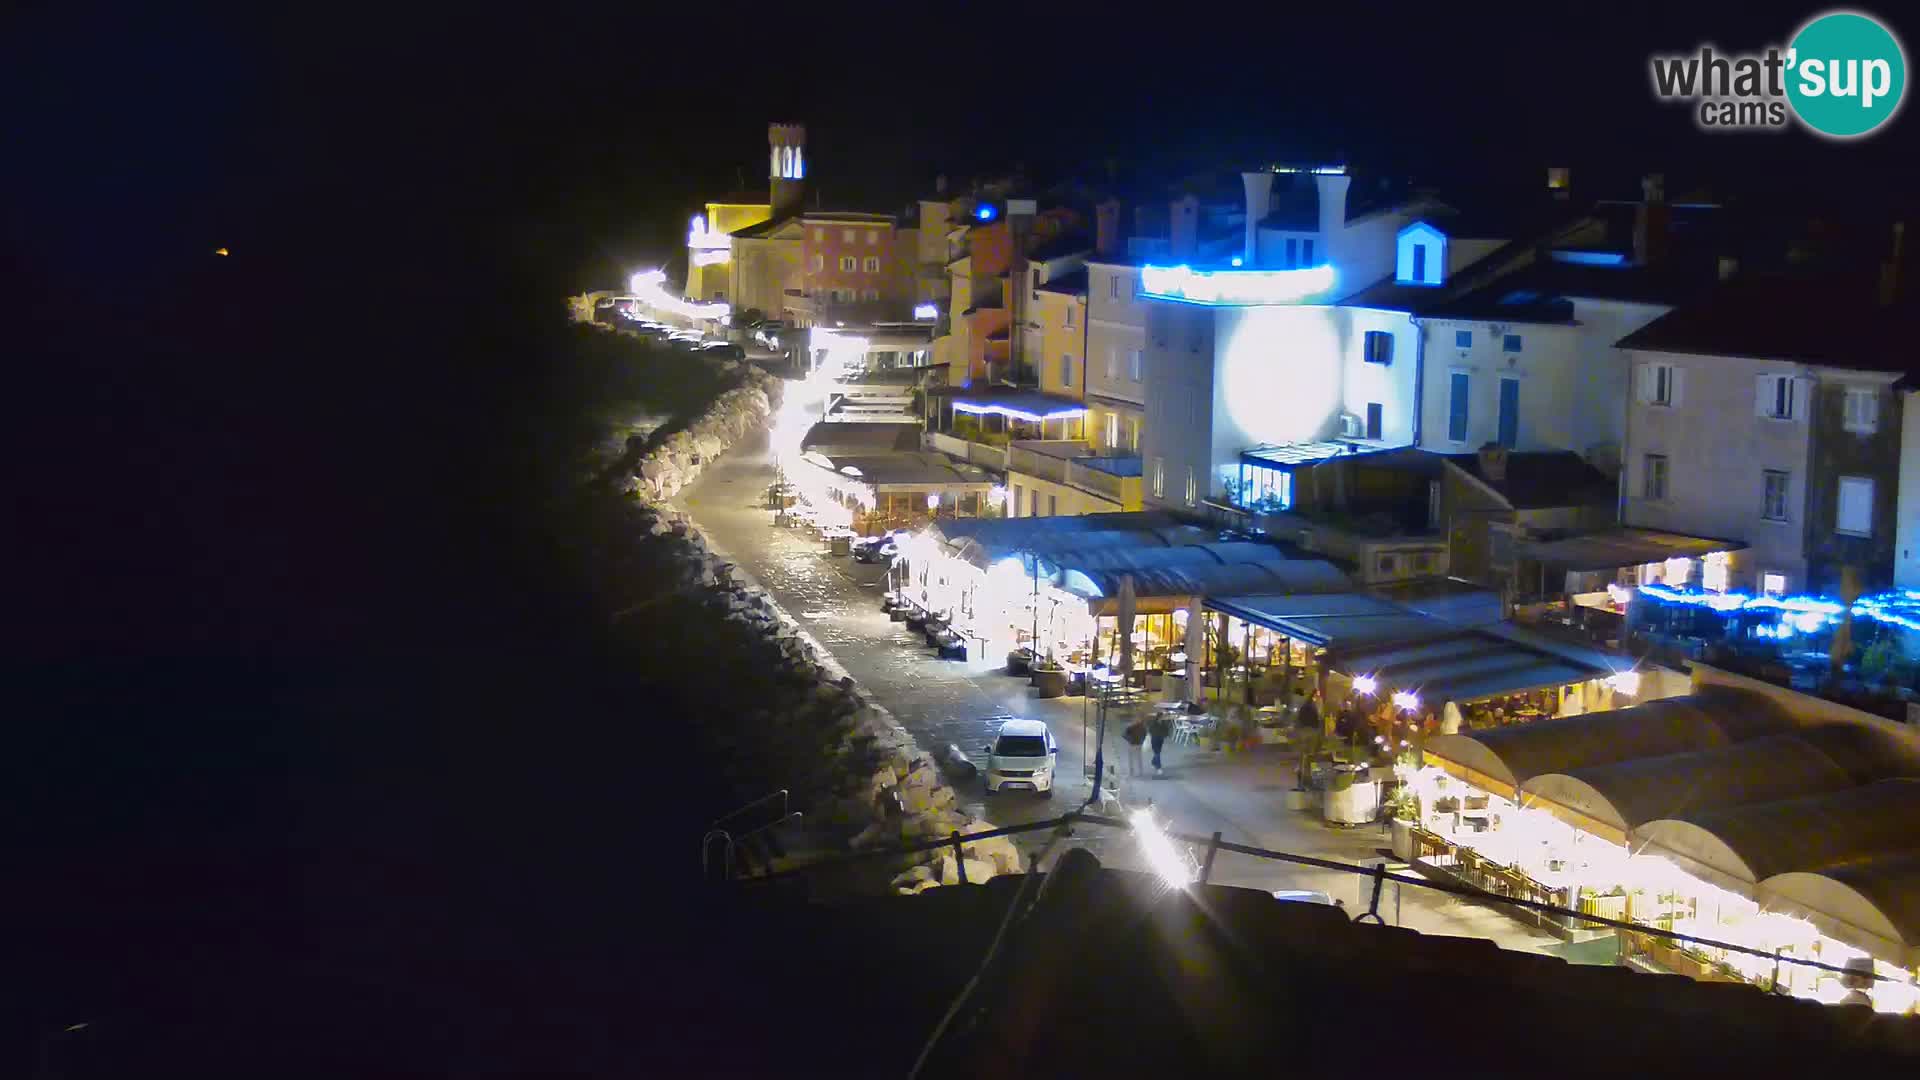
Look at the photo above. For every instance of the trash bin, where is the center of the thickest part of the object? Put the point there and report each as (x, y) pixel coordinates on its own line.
(841, 545)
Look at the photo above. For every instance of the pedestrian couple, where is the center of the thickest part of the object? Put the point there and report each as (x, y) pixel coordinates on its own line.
(1141, 730)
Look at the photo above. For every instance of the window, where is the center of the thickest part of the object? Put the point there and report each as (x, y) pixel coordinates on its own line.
(1113, 287)
(1774, 397)
(873, 295)
(1862, 410)
(873, 237)
(871, 264)
(1510, 343)
(1463, 339)
(1193, 488)
(1293, 252)
(1113, 430)
(1053, 505)
(1658, 385)
(1033, 503)
(819, 263)
(1033, 282)
(819, 236)
(1066, 370)
(1069, 316)
(1306, 252)
(848, 263)
(1420, 262)
(1135, 365)
(1375, 419)
(1458, 387)
(1113, 362)
(1159, 477)
(1773, 494)
(1653, 482)
(1388, 564)
(1509, 412)
(1855, 513)
(1016, 500)
(1379, 347)
(1133, 434)
(1773, 584)
(846, 236)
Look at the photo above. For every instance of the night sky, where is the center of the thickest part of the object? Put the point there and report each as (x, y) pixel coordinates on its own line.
(265, 509)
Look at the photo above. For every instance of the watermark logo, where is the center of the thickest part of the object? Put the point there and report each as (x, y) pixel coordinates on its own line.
(1841, 76)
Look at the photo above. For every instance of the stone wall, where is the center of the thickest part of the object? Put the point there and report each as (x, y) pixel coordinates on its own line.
(904, 800)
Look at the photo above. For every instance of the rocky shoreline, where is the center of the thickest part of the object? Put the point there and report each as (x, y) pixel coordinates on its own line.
(897, 791)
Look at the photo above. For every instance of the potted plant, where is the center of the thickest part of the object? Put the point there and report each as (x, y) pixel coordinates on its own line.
(1049, 679)
(1403, 807)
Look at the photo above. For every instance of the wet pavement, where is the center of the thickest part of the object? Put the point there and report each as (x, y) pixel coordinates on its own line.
(1241, 796)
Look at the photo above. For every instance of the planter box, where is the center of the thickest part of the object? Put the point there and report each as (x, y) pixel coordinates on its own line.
(1353, 805)
(1050, 683)
(1403, 840)
(1299, 799)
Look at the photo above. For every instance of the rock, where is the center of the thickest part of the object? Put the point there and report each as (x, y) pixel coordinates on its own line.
(978, 872)
(916, 879)
(1000, 851)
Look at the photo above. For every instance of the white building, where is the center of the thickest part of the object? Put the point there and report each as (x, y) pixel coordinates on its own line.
(1309, 336)
(1528, 362)
(1766, 414)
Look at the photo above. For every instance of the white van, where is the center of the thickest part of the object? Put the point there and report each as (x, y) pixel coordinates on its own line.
(1022, 755)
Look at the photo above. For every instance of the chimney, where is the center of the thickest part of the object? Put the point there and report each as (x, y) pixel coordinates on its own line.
(1183, 228)
(940, 184)
(1560, 182)
(1890, 268)
(1729, 266)
(787, 167)
(1650, 220)
(1333, 210)
(1493, 463)
(1259, 187)
(1106, 228)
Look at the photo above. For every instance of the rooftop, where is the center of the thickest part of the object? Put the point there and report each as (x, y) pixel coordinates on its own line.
(1544, 283)
(831, 438)
(1793, 319)
(1536, 480)
(1013, 402)
(1073, 284)
(1068, 243)
(1289, 455)
(1296, 205)
(910, 468)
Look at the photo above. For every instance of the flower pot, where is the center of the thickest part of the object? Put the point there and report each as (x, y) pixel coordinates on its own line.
(1050, 682)
(1402, 839)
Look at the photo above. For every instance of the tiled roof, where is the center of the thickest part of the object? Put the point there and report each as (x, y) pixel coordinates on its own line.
(1073, 284)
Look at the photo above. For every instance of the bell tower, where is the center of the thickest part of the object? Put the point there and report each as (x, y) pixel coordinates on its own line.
(787, 167)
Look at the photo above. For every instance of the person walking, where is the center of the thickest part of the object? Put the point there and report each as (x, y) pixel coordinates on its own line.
(1158, 729)
(1135, 734)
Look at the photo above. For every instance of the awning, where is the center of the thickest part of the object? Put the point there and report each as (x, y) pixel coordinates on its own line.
(1346, 619)
(1017, 404)
(1462, 666)
(1613, 548)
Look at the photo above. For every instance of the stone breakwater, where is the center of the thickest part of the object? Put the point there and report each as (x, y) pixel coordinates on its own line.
(904, 799)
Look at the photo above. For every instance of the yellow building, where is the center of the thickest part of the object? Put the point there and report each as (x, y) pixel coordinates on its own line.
(1060, 477)
(1057, 323)
(710, 248)
(766, 263)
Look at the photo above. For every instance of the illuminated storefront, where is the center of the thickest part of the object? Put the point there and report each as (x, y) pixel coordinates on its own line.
(1652, 816)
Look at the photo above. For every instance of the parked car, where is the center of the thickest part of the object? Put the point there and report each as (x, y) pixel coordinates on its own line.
(1021, 755)
(880, 548)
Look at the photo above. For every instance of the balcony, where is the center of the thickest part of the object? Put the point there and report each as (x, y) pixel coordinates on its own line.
(1069, 463)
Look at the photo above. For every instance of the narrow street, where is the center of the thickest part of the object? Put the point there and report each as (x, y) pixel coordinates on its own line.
(837, 600)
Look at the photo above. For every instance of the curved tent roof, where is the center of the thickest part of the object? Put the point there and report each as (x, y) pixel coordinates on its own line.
(1146, 558)
(1878, 899)
(1628, 794)
(1023, 529)
(1744, 845)
(984, 550)
(1514, 755)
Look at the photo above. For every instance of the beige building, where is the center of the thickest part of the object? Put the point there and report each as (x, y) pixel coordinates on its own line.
(1061, 477)
(1058, 336)
(711, 254)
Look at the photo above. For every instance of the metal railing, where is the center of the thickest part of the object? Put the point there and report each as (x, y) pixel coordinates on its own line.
(721, 838)
(1378, 873)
